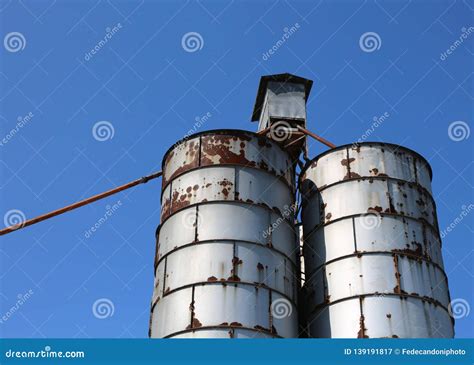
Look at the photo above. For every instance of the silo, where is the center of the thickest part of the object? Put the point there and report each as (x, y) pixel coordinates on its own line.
(227, 253)
(372, 247)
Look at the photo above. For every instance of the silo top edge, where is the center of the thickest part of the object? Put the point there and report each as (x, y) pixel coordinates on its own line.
(215, 131)
(396, 146)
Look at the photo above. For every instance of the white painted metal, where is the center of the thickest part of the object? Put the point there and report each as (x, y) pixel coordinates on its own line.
(371, 245)
(227, 251)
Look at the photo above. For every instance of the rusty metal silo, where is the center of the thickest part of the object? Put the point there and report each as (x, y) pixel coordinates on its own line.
(372, 245)
(227, 252)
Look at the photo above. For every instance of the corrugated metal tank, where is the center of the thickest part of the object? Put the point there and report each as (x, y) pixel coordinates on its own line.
(372, 247)
(227, 252)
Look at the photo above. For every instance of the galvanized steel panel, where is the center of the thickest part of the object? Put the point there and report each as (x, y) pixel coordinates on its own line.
(171, 314)
(231, 261)
(381, 316)
(224, 333)
(226, 183)
(372, 233)
(372, 245)
(226, 247)
(224, 220)
(227, 147)
(364, 195)
(369, 160)
(377, 274)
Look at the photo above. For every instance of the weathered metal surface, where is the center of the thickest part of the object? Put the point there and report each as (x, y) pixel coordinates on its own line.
(372, 247)
(227, 249)
(230, 183)
(213, 221)
(221, 147)
(383, 316)
(220, 306)
(217, 332)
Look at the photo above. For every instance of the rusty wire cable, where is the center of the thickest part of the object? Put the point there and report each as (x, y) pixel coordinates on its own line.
(81, 203)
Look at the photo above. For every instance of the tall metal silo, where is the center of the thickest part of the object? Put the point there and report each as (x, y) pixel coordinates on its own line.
(227, 252)
(372, 246)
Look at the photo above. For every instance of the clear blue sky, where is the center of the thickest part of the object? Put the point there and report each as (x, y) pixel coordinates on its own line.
(151, 89)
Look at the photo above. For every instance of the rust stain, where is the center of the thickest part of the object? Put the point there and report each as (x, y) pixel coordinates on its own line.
(351, 175)
(224, 324)
(377, 209)
(236, 324)
(195, 324)
(259, 266)
(328, 216)
(397, 289)
(361, 333)
(347, 161)
(212, 278)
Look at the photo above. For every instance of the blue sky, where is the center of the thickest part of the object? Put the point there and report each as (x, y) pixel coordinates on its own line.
(149, 89)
